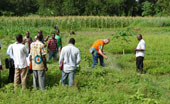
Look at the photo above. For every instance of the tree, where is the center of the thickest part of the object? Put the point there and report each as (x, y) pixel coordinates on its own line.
(148, 9)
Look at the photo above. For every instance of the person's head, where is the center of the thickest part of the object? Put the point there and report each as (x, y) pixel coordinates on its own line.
(139, 37)
(57, 32)
(40, 32)
(53, 36)
(19, 38)
(106, 41)
(35, 38)
(27, 34)
(40, 37)
(72, 41)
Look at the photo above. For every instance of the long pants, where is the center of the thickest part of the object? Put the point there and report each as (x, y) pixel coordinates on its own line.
(11, 75)
(40, 76)
(20, 74)
(95, 60)
(65, 76)
(139, 64)
(52, 54)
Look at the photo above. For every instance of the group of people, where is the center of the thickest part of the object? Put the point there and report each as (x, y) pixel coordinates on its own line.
(27, 53)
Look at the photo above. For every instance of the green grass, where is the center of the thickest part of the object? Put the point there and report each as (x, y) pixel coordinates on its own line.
(117, 83)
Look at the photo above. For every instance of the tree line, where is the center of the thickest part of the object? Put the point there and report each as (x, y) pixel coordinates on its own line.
(85, 7)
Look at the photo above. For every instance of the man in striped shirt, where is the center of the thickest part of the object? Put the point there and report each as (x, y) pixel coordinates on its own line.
(52, 48)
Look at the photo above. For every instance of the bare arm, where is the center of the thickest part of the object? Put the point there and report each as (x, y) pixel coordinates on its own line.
(46, 39)
(139, 50)
(44, 62)
(101, 53)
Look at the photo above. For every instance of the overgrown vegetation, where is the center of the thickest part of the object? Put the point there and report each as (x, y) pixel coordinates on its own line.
(14, 25)
(117, 83)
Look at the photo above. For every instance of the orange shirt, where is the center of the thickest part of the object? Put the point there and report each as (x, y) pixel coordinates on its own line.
(99, 44)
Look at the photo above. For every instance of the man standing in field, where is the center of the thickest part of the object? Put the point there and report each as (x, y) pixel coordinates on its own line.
(70, 57)
(140, 53)
(97, 51)
(19, 55)
(59, 42)
(27, 40)
(52, 48)
(39, 66)
(44, 39)
(10, 63)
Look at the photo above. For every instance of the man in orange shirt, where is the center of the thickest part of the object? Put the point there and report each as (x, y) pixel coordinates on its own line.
(97, 51)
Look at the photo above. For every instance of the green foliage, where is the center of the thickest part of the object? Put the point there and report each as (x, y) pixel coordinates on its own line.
(124, 38)
(148, 9)
(116, 83)
(71, 7)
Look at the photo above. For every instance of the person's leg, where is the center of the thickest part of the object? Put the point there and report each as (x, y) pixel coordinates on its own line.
(16, 79)
(10, 75)
(141, 64)
(41, 79)
(49, 55)
(95, 60)
(71, 78)
(54, 55)
(24, 77)
(35, 77)
(137, 64)
(64, 77)
(101, 60)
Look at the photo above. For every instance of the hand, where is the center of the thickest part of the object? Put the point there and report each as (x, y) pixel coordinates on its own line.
(135, 50)
(106, 57)
(46, 68)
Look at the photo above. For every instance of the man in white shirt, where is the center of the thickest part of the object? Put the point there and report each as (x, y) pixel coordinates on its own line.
(70, 56)
(140, 53)
(11, 63)
(19, 56)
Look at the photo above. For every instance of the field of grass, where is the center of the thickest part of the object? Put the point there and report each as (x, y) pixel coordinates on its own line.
(116, 83)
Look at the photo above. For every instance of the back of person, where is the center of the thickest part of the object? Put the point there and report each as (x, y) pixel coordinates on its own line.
(70, 54)
(37, 51)
(99, 44)
(19, 55)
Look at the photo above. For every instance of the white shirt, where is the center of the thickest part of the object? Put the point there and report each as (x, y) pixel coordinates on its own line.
(141, 45)
(70, 55)
(9, 51)
(19, 55)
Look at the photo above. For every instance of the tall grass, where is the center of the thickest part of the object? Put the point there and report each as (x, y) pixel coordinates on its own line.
(78, 22)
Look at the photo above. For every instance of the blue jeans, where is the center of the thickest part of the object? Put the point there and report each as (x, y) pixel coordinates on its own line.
(52, 54)
(95, 60)
(65, 76)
